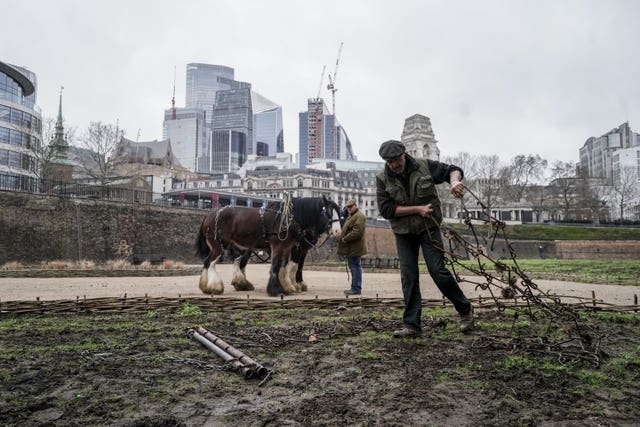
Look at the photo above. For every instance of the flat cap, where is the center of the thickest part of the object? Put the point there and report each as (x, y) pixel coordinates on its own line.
(350, 202)
(390, 150)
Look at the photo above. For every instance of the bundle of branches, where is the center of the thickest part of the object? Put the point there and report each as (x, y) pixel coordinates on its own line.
(507, 281)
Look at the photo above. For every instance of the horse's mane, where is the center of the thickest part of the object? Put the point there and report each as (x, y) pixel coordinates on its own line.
(306, 209)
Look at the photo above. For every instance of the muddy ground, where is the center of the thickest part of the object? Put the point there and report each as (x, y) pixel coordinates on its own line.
(329, 366)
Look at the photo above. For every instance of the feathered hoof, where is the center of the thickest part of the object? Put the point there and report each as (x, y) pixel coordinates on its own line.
(213, 289)
(209, 285)
(303, 286)
(242, 285)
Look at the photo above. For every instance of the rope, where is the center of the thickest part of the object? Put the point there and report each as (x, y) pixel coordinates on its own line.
(286, 217)
(216, 230)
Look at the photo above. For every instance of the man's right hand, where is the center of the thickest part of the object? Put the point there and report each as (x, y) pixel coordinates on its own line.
(425, 210)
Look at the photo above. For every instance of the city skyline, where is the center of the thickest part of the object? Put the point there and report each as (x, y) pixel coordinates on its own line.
(494, 78)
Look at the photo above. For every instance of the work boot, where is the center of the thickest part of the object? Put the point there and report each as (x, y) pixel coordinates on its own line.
(407, 332)
(467, 321)
(351, 292)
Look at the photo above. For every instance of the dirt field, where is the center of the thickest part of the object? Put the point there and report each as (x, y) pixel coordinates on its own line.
(330, 367)
(322, 284)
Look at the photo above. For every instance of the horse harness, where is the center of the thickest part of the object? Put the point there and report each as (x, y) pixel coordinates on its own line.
(286, 224)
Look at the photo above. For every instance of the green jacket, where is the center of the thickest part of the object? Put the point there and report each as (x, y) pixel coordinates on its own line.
(353, 236)
(422, 191)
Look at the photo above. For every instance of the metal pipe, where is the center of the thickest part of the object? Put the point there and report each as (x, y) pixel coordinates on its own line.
(236, 364)
(243, 358)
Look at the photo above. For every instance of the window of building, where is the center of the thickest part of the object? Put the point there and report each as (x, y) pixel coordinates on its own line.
(4, 135)
(4, 157)
(14, 159)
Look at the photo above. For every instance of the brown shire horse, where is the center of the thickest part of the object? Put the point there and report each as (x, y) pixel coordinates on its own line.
(278, 228)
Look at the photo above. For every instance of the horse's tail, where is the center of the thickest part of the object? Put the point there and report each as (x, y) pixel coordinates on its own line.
(202, 249)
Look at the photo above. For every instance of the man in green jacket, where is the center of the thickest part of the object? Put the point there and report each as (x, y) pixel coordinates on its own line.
(351, 244)
(407, 197)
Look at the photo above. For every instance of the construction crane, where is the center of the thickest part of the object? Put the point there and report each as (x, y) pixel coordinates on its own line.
(324, 67)
(173, 99)
(333, 89)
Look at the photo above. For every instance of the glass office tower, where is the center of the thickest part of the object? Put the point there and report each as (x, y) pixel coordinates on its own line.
(204, 81)
(233, 112)
(20, 124)
(229, 149)
(267, 126)
(186, 129)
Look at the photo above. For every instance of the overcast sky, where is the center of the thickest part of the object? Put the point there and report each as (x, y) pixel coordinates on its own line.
(495, 77)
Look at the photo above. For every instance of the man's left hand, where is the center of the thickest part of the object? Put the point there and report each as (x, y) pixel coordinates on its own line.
(457, 188)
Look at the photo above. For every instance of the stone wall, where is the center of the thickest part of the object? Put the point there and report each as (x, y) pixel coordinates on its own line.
(43, 228)
(587, 249)
(36, 228)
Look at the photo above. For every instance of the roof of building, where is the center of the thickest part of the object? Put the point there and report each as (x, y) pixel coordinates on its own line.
(27, 86)
(147, 152)
(261, 104)
(346, 165)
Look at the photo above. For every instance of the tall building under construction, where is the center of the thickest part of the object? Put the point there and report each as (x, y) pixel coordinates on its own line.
(320, 135)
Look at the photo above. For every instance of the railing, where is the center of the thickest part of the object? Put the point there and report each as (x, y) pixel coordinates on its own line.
(380, 263)
(25, 184)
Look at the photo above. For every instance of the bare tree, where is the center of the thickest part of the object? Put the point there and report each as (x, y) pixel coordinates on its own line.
(538, 197)
(488, 180)
(626, 189)
(564, 183)
(523, 171)
(100, 141)
(592, 194)
(467, 163)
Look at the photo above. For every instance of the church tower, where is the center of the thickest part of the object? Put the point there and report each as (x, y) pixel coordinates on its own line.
(57, 166)
(418, 138)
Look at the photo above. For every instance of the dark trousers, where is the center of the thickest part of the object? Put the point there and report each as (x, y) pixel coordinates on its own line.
(356, 272)
(409, 246)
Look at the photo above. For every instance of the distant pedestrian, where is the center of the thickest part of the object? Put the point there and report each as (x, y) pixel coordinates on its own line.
(407, 197)
(352, 244)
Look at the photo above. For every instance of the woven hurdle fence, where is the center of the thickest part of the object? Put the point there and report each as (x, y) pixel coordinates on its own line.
(145, 304)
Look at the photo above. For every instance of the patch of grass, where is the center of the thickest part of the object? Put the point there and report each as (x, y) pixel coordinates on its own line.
(517, 362)
(590, 378)
(552, 366)
(189, 310)
(585, 271)
(369, 355)
(10, 324)
(438, 312)
(445, 377)
(628, 318)
(556, 232)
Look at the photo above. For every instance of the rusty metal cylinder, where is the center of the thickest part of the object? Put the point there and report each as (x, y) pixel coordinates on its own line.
(236, 364)
(243, 358)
